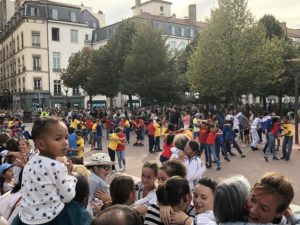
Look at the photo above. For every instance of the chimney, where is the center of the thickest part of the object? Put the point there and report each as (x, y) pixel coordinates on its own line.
(192, 12)
(137, 2)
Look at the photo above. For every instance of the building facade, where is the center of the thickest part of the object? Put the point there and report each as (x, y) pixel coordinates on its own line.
(35, 48)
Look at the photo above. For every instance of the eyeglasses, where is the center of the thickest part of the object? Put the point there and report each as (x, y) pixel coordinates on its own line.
(106, 168)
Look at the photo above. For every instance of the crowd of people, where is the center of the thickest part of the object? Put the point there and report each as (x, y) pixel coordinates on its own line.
(52, 182)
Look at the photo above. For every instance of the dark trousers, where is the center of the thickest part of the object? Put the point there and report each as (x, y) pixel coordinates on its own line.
(157, 143)
(235, 145)
(112, 156)
(151, 142)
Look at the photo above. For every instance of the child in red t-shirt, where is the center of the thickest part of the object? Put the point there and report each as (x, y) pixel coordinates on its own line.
(168, 144)
(210, 141)
(121, 152)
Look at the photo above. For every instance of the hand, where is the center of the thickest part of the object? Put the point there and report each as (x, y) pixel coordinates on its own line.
(69, 165)
(104, 196)
(181, 156)
(165, 212)
(179, 217)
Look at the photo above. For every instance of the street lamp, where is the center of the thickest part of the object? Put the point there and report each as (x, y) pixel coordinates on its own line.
(66, 89)
(295, 69)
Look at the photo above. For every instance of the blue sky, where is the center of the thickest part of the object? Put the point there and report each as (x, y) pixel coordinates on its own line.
(116, 10)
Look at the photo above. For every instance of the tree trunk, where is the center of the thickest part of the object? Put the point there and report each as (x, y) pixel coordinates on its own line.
(234, 98)
(111, 102)
(130, 103)
(280, 104)
(264, 102)
(296, 107)
(91, 101)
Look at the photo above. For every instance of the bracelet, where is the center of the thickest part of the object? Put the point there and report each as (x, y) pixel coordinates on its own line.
(185, 220)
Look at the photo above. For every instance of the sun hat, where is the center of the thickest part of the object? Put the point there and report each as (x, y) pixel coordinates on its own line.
(5, 167)
(99, 159)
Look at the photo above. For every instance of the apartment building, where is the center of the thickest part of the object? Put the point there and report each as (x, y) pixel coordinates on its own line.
(35, 47)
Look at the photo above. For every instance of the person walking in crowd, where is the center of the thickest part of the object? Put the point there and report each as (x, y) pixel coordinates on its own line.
(287, 134)
(229, 137)
(157, 135)
(114, 141)
(150, 133)
(275, 129)
(211, 148)
(121, 152)
(254, 134)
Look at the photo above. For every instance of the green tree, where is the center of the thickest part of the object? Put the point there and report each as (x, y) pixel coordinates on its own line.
(116, 52)
(228, 56)
(80, 73)
(148, 69)
(272, 26)
(280, 82)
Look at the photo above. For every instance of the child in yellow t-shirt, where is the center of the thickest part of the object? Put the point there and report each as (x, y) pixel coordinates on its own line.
(114, 140)
(80, 144)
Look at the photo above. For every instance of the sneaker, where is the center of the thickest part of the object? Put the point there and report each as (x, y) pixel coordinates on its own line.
(219, 168)
(227, 159)
(135, 144)
(232, 154)
(275, 158)
(266, 159)
(208, 166)
(243, 156)
(282, 158)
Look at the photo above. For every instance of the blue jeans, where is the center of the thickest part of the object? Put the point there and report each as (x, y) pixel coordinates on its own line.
(99, 142)
(271, 145)
(212, 150)
(287, 147)
(121, 158)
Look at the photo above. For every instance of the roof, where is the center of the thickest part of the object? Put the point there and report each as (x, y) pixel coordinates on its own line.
(53, 3)
(171, 19)
(159, 1)
(295, 33)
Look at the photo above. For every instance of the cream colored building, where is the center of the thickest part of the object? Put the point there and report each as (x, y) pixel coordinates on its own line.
(35, 48)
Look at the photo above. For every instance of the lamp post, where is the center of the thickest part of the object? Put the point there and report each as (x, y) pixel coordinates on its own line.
(66, 89)
(295, 69)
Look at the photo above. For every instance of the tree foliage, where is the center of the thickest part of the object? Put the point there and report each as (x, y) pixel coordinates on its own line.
(80, 72)
(230, 54)
(148, 71)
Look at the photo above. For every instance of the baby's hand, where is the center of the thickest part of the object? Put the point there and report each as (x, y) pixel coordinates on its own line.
(69, 165)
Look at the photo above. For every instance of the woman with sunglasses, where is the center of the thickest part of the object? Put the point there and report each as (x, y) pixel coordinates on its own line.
(100, 166)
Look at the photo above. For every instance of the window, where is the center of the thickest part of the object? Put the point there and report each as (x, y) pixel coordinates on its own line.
(57, 87)
(36, 62)
(56, 61)
(161, 9)
(86, 37)
(34, 11)
(73, 16)
(182, 31)
(173, 45)
(18, 44)
(74, 36)
(55, 34)
(37, 84)
(94, 25)
(22, 40)
(172, 30)
(191, 33)
(54, 14)
(35, 39)
(76, 91)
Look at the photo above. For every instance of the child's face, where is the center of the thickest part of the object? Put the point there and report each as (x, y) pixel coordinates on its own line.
(55, 142)
(24, 147)
(9, 174)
